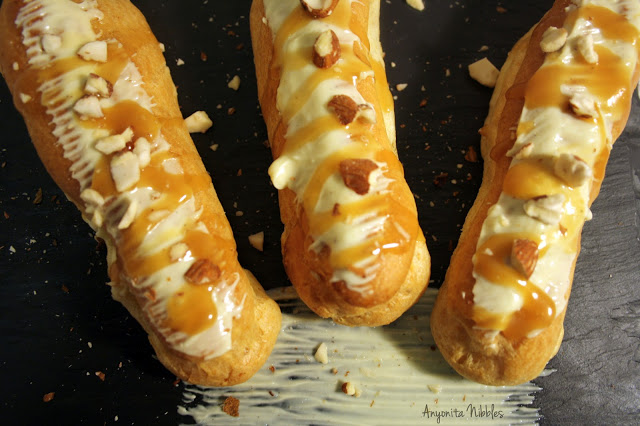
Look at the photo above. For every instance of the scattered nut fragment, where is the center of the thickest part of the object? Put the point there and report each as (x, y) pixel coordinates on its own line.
(553, 39)
(348, 388)
(524, 256)
(319, 9)
(114, 143)
(401, 86)
(48, 396)
(177, 251)
(471, 155)
(257, 240)
(326, 49)
(546, 209)
(321, 354)
(202, 271)
(129, 215)
(142, 150)
(484, 72)
(92, 197)
(231, 406)
(198, 122)
(94, 51)
(124, 170)
(88, 107)
(234, 83)
(435, 388)
(587, 49)
(416, 4)
(98, 86)
(355, 174)
(51, 43)
(572, 169)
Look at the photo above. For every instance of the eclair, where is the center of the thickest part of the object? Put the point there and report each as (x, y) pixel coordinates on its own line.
(352, 245)
(91, 82)
(562, 99)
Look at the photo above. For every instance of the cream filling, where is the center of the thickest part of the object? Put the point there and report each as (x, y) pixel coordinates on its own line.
(71, 22)
(554, 132)
(294, 170)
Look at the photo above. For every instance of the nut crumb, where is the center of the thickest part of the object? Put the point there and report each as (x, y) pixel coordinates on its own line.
(198, 122)
(401, 86)
(100, 375)
(48, 396)
(234, 83)
(321, 354)
(416, 4)
(484, 72)
(435, 388)
(257, 240)
(231, 406)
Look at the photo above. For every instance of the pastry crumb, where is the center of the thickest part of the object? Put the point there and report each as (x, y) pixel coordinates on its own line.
(231, 406)
(48, 396)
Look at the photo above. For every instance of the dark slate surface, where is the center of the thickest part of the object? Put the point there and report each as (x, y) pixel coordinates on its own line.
(59, 326)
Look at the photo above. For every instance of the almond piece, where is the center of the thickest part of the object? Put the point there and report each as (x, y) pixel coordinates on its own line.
(524, 256)
(572, 169)
(114, 143)
(98, 86)
(198, 122)
(553, 39)
(326, 49)
(546, 209)
(88, 107)
(355, 174)
(125, 170)
(94, 51)
(484, 72)
(319, 9)
(203, 271)
(51, 43)
(345, 108)
(587, 49)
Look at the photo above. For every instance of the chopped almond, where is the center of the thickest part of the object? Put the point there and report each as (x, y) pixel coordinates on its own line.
(326, 49)
(319, 9)
(198, 122)
(257, 241)
(88, 107)
(355, 174)
(321, 354)
(202, 271)
(553, 39)
(94, 51)
(345, 108)
(98, 86)
(484, 72)
(572, 169)
(524, 256)
(416, 4)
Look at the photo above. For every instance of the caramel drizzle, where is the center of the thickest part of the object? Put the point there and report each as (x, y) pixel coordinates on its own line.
(363, 142)
(191, 309)
(608, 81)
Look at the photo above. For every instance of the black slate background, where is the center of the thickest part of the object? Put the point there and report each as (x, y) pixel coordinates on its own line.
(59, 325)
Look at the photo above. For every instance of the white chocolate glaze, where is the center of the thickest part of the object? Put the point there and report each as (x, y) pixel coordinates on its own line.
(53, 32)
(544, 134)
(397, 369)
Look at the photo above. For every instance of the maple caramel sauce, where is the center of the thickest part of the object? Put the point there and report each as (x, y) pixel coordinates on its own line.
(191, 309)
(538, 309)
(530, 179)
